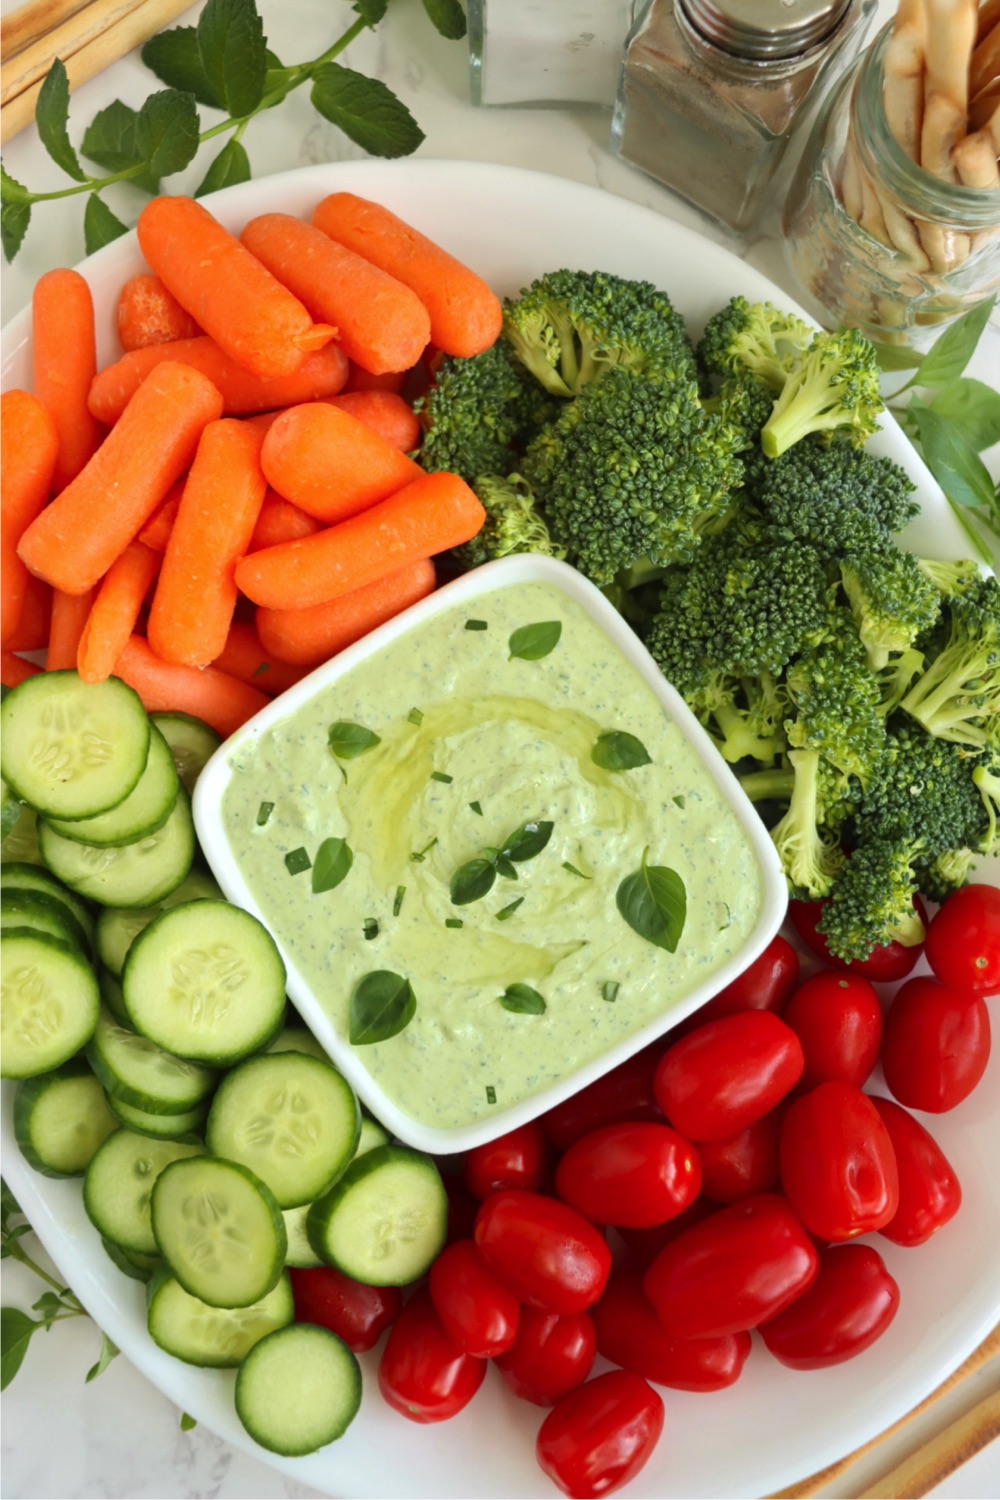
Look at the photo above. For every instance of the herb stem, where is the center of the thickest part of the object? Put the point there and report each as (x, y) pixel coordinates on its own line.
(17, 1252)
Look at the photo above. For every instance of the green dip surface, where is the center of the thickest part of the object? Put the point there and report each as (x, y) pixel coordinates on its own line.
(514, 737)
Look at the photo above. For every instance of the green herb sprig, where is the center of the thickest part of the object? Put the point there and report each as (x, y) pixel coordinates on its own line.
(223, 64)
(476, 877)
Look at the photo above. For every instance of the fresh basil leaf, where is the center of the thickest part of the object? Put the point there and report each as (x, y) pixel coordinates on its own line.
(15, 216)
(16, 1329)
(365, 110)
(957, 467)
(334, 858)
(522, 1000)
(616, 750)
(973, 410)
(653, 902)
(949, 354)
(230, 166)
(348, 740)
(503, 865)
(447, 17)
(166, 131)
(175, 57)
(472, 881)
(527, 841)
(382, 1005)
(52, 119)
(370, 11)
(893, 357)
(107, 1354)
(100, 225)
(233, 53)
(532, 642)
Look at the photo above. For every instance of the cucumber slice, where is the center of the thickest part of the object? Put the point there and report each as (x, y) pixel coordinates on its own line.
(118, 1185)
(60, 1119)
(299, 1253)
(118, 926)
(111, 997)
(72, 749)
(385, 1220)
(298, 1389)
(298, 1039)
(146, 808)
(188, 1126)
(20, 875)
(293, 1120)
(138, 874)
(192, 743)
(50, 1003)
(219, 1230)
(139, 1267)
(219, 1337)
(372, 1134)
(10, 809)
(139, 1073)
(42, 913)
(21, 844)
(205, 981)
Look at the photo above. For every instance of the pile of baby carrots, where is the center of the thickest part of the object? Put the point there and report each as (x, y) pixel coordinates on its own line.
(232, 502)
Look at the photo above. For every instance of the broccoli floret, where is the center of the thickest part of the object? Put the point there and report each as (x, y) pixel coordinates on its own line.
(923, 795)
(632, 468)
(891, 598)
(871, 902)
(810, 857)
(895, 677)
(477, 413)
(834, 387)
(753, 336)
(569, 328)
(513, 523)
(986, 780)
(837, 497)
(939, 878)
(951, 578)
(836, 701)
(957, 696)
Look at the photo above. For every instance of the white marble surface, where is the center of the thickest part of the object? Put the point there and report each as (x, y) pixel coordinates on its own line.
(119, 1437)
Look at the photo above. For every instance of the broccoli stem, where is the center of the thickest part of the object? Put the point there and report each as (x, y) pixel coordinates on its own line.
(739, 741)
(768, 786)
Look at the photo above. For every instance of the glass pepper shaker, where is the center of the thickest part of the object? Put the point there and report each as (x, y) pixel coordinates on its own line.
(711, 91)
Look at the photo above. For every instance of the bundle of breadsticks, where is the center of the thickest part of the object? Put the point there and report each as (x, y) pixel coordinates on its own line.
(942, 105)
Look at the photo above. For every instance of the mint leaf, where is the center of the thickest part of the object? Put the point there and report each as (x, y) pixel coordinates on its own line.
(382, 1005)
(15, 216)
(972, 409)
(956, 466)
(366, 111)
(653, 902)
(11, 191)
(448, 17)
(175, 57)
(100, 226)
(52, 117)
(949, 354)
(110, 141)
(231, 165)
(233, 53)
(166, 131)
(16, 1329)
(370, 11)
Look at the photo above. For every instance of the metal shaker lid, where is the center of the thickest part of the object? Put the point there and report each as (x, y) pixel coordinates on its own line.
(764, 28)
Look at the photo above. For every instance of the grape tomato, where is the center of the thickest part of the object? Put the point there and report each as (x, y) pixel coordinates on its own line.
(635, 1174)
(724, 1075)
(600, 1436)
(963, 940)
(838, 1168)
(838, 1019)
(546, 1252)
(849, 1305)
(935, 1045)
(550, 1355)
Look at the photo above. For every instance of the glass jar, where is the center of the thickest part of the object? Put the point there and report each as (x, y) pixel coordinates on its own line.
(874, 240)
(711, 92)
(546, 51)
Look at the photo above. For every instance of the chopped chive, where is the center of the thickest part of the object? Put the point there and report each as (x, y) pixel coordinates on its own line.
(417, 857)
(453, 922)
(476, 809)
(297, 860)
(370, 929)
(398, 900)
(477, 625)
(265, 666)
(509, 909)
(264, 811)
(415, 716)
(574, 871)
(442, 776)
(680, 801)
(609, 989)
(491, 1094)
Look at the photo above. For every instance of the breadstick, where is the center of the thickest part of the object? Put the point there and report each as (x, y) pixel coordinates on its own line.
(951, 33)
(983, 108)
(850, 180)
(975, 159)
(985, 65)
(989, 15)
(905, 56)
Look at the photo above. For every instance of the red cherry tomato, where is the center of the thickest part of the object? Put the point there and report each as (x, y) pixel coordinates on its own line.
(727, 1274)
(549, 1255)
(838, 1020)
(849, 1305)
(743, 1164)
(929, 1192)
(630, 1335)
(635, 1174)
(476, 1312)
(462, 1208)
(935, 1045)
(726, 1074)
(891, 961)
(625, 1093)
(644, 1244)
(838, 1168)
(963, 940)
(515, 1160)
(599, 1436)
(422, 1373)
(550, 1355)
(765, 984)
(359, 1314)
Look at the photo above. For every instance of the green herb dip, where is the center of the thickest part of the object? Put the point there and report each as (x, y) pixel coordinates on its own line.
(513, 737)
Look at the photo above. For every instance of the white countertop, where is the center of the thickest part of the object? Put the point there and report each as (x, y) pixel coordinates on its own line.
(118, 1436)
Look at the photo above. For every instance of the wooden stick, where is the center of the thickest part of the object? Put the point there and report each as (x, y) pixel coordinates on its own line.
(942, 1455)
(131, 30)
(29, 22)
(905, 57)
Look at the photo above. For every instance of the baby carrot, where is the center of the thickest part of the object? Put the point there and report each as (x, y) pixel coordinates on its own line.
(192, 608)
(221, 700)
(329, 464)
(311, 636)
(30, 442)
(146, 313)
(385, 413)
(64, 354)
(115, 610)
(280, 521)
(156, 532)
(69, 616)
(381, 324)
(465, 315)
(244, 657)
(435, 512)
(322, 374)
(361, 380)
(228, 292)
(32, 630)
(14, 669)
(76, 539)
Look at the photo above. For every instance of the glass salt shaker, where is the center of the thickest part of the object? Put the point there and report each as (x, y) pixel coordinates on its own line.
(711, 92)
(546, 51)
